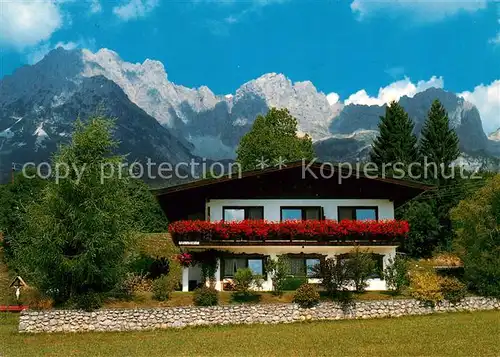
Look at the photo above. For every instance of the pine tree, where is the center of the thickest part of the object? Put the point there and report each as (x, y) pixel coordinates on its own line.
(439, 143)
(396, 141)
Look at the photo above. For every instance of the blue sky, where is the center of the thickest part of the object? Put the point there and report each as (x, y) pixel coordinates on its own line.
(343, 47)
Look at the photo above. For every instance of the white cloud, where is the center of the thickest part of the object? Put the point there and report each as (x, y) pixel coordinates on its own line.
(394, 91)
(487, 100)
(27, 23)
(333, 98)
(421, 10)
(495, 40)
(134, 9)
(95, 6)
(252, 7)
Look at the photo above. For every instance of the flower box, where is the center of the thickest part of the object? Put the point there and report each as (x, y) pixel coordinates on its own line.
(310, 230)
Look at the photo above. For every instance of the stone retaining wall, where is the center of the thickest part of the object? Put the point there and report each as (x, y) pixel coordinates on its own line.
(160, 318)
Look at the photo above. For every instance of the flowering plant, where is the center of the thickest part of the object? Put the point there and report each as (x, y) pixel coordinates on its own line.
(319, 230)
(185, 259)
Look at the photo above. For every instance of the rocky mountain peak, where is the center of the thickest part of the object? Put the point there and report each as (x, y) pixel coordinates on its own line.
(147, 85)
(302, 99)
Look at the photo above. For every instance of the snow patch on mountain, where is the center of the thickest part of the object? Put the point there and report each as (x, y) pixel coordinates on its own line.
(41, 135)
(495, 136)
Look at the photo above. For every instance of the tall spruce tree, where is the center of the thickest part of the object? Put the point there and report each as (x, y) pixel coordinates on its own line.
(439, 143)
(396, 141)
(76, 237)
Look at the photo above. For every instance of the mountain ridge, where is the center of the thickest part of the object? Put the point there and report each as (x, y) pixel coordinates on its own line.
(194, 122)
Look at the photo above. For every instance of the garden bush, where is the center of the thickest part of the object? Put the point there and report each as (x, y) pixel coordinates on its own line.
(35, 299)
(206, 296)
(243, 279)
(362, 266)
(278, 268)
(131, 284)
(88, 301)
(164, 286)
(425, 286)
(396, 274)
(293, 283)
(453, 289)
(335, 275)
(306, 296)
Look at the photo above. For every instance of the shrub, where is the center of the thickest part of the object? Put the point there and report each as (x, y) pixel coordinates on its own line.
(131, 284)
(88, 301)
(243, 279)
(36, 300)
(206, 296)
(453, 289)
(164, 286)
(293, 283)
(335, 275)
(278, 269)
(425, 286)
(396, 274)
(361, 266)
(306, 296)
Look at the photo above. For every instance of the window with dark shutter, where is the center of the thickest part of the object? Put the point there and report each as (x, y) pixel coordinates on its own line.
(301, 213)
(358, 213)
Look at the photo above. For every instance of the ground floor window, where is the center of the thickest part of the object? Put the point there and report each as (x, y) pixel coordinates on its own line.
(302, 266)
(378, 271)
(231, 264)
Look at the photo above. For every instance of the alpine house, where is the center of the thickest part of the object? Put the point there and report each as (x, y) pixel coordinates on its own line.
(306, 211)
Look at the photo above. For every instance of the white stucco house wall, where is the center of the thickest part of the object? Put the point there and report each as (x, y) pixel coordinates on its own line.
(277, 195)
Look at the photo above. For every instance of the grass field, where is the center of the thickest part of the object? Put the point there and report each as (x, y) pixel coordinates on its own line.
(457, 334)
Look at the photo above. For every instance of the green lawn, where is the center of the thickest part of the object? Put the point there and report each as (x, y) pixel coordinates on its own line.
(458, 334)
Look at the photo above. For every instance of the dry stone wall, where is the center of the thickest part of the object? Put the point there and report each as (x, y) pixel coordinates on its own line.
(177, 317)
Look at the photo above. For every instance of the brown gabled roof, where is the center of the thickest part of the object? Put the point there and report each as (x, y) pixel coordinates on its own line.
(270, 170)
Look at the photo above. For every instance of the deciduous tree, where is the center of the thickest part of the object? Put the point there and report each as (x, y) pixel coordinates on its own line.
(273, 137)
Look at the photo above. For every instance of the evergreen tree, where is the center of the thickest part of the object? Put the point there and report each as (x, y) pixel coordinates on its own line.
(439, 143)
(75, 239)
(272, 137)
(396, 142)
(15, 198)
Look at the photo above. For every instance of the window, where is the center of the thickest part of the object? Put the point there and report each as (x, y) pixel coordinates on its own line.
(378, 271)
(235, 214)
(256, 266)
(358, 213)
(310, 265)
(232, 264)
(301, 213)
(302, 267)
